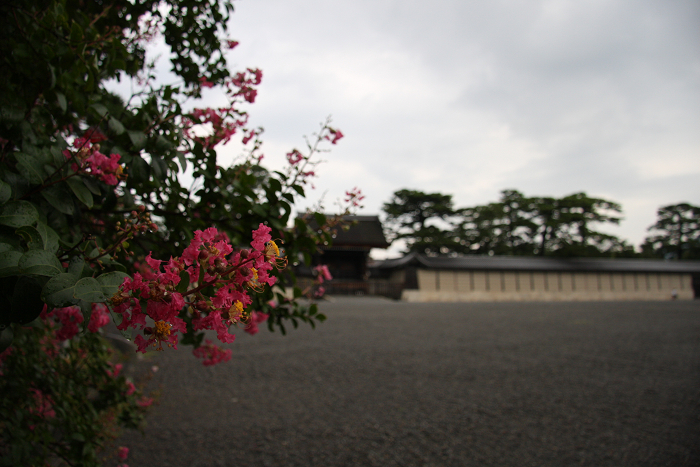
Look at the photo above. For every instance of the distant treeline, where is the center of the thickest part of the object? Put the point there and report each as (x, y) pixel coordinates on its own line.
(534, 226)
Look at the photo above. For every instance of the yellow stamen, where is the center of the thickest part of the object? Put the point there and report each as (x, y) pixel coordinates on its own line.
(161, 333)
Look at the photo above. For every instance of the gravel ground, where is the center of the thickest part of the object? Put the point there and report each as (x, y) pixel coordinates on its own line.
(488, 384)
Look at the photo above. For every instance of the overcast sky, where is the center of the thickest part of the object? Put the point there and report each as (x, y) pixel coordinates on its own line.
(472, 97)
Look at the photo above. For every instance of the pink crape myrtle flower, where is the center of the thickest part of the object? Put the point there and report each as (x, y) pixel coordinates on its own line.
(212, 354)
(204, 83)
(99, 317)
(334, 135)
(215, 297)
(256, 317)
(294, 157)
(69, 317)
(89, 159)
(322, 273)
(123, 452)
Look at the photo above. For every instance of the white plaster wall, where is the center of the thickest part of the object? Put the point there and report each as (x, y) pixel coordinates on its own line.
(477, 286)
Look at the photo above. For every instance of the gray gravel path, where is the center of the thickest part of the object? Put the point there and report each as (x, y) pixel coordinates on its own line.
(387, 383)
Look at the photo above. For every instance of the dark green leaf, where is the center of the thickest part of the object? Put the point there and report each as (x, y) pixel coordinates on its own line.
(116, 126)
(81, 191)
(9, 261)
(31, 168)
(5, 192)
(184, 282)
(62, 102)
(77, 267)
(111, 281)
(19, 214)
(49, 237)
(92, 185)
(59, 290)
(183, 160)
(31, 237)
(40, 263)
(89, 290)
(100, 109)
(138, 139)
(59, 197)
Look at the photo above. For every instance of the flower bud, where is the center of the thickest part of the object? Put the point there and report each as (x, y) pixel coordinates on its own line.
(244, 254)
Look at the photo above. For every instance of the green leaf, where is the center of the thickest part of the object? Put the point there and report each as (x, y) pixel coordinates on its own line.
(31, 168)
(92, 185)
(299, 190)
(40, 263)
(76, 33)
(59, 197)
(77, 267)
(116, 126)
(111, 281)
(321, 317)
(184, 282)
(138, 139)
(62, 102)
(49, 237)
(31, 237)
(100, 109)
(9, 261)
(19, 214)
(5, 192)
(320, 218)
(59, 290)
(89, 290)
(81, 191)
(183, 160)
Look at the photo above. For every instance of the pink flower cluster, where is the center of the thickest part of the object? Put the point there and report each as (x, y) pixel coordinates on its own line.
(322, 273)
(242, 84)
(87, 158)
(256, 317)
(354, 197)
(225, 123)
(333, 135)
(70, 317)
(294, 157)
(222, 123)
(211, 354)
(209, 261)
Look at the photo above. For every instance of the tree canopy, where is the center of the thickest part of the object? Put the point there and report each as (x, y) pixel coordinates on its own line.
(676, 233)
(421, 219)
(515, 225)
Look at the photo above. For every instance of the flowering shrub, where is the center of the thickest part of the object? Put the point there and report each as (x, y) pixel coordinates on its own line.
(62, 398)
(96, 226)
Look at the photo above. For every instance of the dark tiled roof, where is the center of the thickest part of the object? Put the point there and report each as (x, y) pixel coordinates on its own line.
(530, 263)
(364, 231)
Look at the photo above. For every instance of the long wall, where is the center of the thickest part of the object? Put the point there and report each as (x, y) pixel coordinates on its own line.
(473, 286)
